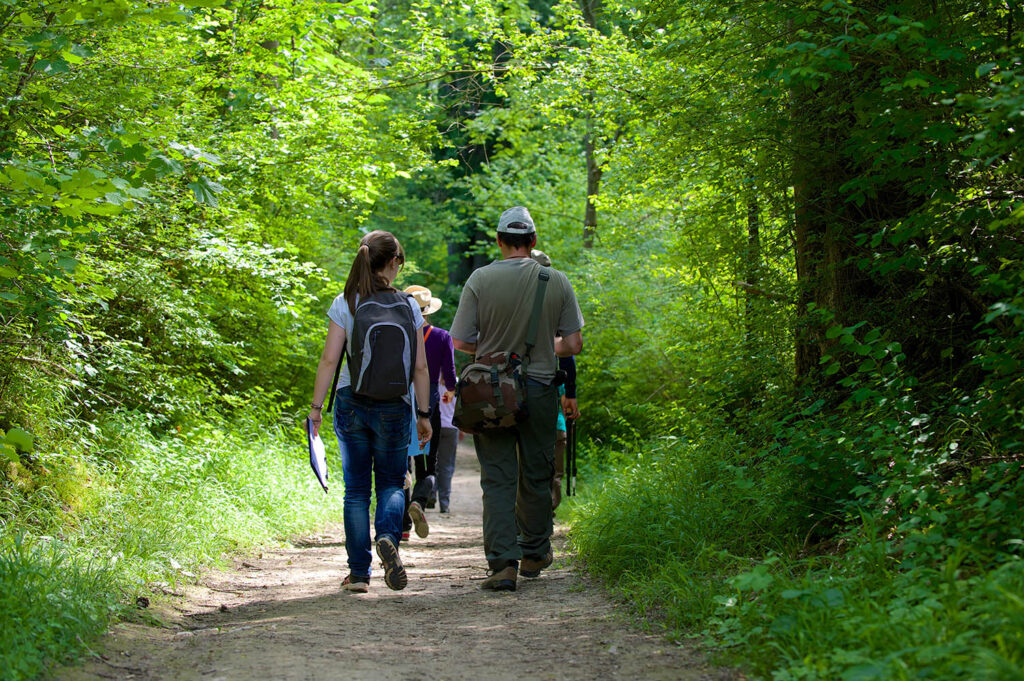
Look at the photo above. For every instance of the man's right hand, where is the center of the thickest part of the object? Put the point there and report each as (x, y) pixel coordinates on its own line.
(570, 408)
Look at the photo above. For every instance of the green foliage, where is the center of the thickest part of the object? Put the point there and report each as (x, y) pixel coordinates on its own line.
(804, 285)
(51, 603)
(119, 513)
(701, 540)
(673, 517)
(858, 618)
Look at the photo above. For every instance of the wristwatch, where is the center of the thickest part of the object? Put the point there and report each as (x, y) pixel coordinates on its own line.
(423, 414)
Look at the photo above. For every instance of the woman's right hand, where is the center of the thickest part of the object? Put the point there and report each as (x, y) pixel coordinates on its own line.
(315, 417)
(423, 429)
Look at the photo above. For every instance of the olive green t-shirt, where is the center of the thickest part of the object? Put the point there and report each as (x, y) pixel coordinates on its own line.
(495, 308)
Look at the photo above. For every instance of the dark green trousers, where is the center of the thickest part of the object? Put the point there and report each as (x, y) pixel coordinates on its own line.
(516, 467)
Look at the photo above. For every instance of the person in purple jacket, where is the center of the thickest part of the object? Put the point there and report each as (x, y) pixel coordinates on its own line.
(440, 363)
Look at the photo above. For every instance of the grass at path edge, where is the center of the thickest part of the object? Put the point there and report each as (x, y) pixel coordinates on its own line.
(127, 514)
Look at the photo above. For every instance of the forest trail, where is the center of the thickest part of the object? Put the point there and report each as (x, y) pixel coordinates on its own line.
(282, 615)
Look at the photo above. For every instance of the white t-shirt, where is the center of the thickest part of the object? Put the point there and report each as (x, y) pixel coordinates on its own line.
(340, 315)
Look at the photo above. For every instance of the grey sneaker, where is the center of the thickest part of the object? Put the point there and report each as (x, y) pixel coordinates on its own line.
(394, 571)
(419, 519)
(501, 580)
(531, 567)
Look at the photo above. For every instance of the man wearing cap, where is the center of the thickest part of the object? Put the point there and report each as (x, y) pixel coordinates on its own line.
(517, 463)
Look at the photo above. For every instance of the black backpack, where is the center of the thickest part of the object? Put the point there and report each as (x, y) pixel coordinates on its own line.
(382, 349)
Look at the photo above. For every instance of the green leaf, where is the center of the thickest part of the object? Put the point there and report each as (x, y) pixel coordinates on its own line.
(20, 438)
(51, 66)
(9, 452)
(103, 209)
(757, 579)
(206, 190)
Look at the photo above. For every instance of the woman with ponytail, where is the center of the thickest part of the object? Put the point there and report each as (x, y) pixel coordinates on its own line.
(373, 434)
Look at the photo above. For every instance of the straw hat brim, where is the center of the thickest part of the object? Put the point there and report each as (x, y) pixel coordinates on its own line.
(435, 305)
(421, 294)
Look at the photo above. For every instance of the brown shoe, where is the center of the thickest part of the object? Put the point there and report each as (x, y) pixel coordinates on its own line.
(501, 580)
(531, 567)
(419, 519)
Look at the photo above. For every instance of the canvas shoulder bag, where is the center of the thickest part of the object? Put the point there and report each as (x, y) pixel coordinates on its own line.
(491, 392)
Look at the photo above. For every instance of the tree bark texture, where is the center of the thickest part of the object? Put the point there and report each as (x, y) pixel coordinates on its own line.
(593, 187)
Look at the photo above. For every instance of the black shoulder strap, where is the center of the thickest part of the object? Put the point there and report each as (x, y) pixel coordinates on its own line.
(538, 303)
(334, 383)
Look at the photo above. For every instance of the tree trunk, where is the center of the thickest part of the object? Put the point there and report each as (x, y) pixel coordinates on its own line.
(593, 187)
(752, 267)
(591, 10)
(819, 214)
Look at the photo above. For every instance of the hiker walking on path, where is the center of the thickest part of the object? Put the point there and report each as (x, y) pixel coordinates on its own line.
(447, 445)
(380, 331)
(567, 409)
(517, 462)
(440, 364)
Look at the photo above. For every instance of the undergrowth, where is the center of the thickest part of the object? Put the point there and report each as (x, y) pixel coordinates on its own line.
(706, 547)
(120, 513)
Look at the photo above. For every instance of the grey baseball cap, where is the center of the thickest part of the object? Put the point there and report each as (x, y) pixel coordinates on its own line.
(513, 215)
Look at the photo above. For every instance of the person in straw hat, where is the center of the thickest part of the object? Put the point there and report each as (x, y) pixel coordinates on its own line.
(568, 409)
(440, 364)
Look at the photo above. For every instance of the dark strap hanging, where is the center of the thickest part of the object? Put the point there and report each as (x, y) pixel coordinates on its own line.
(334, 383)
(543, 275)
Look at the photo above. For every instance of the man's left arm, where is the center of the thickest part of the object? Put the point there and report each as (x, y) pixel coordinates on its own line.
(566, 346)
(464, 324)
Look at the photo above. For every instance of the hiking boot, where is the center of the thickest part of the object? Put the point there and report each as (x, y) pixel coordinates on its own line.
(431, 502)
(500, 580)
(531, 567)
(356, 584)
(394, 572)
(419, 519)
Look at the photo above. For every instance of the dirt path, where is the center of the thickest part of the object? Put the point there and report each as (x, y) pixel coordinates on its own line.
(282, 615)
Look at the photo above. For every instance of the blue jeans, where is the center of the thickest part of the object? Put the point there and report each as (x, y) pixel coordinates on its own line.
(374, 440)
